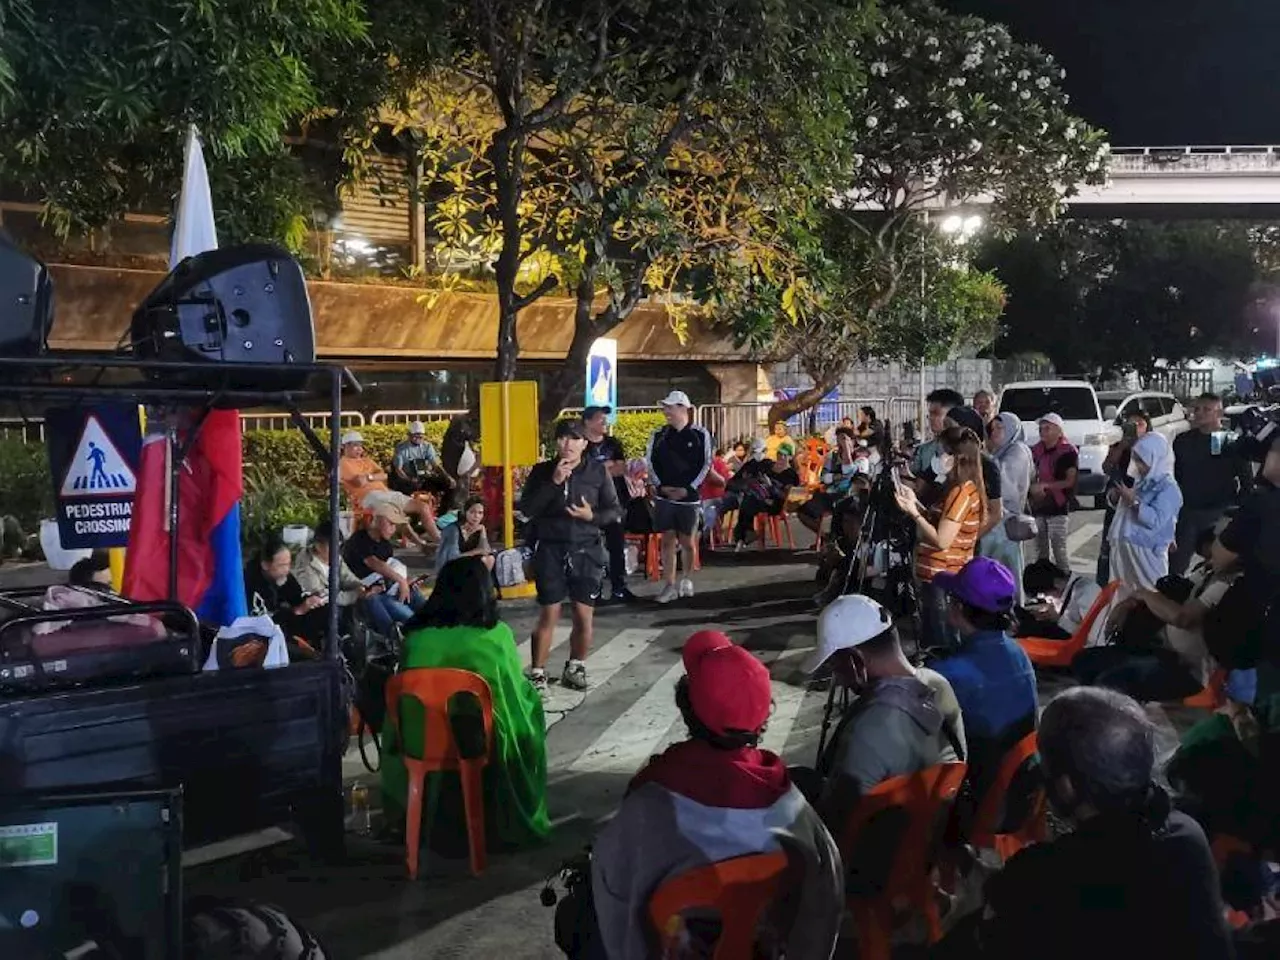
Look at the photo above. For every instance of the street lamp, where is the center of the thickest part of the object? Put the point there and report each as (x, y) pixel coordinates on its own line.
(962, 230)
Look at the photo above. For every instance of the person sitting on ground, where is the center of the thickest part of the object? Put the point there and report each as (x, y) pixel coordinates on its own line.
(415, 465)
(712, 797)
(764, 486)
(312, 572)
(458, 628)
(271, 589)
(905, 718)
(365, 484)
(466, 537)
(1133, 879)
(1058, 601)
(1176, 663)
(780, 441)
(991, 675)
(389, 597)
(1146, 516)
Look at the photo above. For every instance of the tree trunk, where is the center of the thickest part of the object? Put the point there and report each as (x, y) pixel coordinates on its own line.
(805, 399)
(507, 172)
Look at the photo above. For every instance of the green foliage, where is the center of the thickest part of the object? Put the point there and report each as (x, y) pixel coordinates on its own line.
(633, 430)
(96, 97)
(271, 502)
(1110, 297)
(26, 490)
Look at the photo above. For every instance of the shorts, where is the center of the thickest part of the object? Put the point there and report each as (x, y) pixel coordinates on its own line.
(682, 518)
(376, 498)
(566, 571)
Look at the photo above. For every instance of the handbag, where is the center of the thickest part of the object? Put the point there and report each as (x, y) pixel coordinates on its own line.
(1019, 527)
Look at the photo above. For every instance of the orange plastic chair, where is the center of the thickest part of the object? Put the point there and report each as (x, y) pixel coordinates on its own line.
(740, 890)
(433, 689)
(650, 547)
(1059, 653)
(924, 796)
(986, 820)
(772, 525)
(816, 453)
(1213, 695)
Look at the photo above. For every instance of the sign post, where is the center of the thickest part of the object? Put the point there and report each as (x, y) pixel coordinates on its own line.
(93, 460)
(602, 376)
(509, 438)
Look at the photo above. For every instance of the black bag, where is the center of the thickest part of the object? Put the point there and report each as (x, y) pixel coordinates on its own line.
(1236, 631)
(1142, 629)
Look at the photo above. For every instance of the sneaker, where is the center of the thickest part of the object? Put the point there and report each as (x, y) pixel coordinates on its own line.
(686, 587)
(574, 676)
(539, 680)
(669, 593)
(623, 595)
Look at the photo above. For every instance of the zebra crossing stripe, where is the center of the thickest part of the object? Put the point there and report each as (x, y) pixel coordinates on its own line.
(637, 734)
(787, 697)
(603, 664)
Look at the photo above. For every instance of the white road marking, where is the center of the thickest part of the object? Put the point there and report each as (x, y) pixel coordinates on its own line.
(558, 639)
(634, 737)
(787, 699)
(1082, 535)
(605, 662)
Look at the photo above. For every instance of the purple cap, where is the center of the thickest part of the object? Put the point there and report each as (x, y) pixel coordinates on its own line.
(984, 583)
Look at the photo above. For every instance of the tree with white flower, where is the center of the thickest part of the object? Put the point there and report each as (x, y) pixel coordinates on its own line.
(1003, 132)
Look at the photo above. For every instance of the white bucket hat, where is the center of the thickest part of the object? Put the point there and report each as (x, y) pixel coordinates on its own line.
(352, 436)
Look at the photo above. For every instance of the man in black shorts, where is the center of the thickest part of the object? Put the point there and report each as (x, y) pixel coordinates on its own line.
(679, 457)
(608, 451)
(568, 500)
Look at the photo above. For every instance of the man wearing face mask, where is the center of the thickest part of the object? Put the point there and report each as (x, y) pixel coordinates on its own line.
(1135, 878)
(905, 718)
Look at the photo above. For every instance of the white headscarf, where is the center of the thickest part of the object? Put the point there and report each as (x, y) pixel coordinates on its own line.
(1154, 450)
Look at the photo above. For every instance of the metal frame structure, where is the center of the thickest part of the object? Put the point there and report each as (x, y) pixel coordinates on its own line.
(168, 384)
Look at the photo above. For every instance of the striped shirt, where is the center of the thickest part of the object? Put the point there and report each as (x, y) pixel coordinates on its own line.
(963, 505)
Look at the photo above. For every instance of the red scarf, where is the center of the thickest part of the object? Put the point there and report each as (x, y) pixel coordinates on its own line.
(746, 779)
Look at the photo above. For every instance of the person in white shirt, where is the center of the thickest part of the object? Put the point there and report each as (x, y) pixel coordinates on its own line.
(1058, 601)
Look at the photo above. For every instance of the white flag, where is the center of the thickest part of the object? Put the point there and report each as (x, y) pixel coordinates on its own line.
(193, 229)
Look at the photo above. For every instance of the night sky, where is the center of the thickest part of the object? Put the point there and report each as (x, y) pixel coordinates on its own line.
(1159, 72)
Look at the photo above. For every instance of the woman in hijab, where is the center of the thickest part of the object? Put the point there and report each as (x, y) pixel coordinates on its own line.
(1146, 515)
(1007, 446)
(459, 628)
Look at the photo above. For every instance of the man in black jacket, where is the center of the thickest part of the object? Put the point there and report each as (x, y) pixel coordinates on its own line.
(568, 500)
(679, 457)
(1211, 474)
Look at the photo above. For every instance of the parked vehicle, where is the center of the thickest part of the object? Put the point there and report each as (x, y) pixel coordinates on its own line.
(1086, 427)
(1165, 412)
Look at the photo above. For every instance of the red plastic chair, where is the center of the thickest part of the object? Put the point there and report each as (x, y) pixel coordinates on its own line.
(924, 796)
(1059, 653)
(433, 689)
(986, 820)
(739, 890)
(649, 546)
(1212, 696)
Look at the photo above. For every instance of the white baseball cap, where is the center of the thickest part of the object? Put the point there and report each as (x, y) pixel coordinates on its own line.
(352, 436)
(677, 398)
(1054, 419)
(416, 428)
(847, 622)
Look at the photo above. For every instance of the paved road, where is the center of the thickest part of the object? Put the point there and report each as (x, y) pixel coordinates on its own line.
(368, 909)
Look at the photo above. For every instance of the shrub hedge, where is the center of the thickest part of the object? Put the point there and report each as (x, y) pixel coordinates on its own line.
(284, 482)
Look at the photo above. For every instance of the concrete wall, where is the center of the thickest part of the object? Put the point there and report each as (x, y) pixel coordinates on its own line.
(888, 380)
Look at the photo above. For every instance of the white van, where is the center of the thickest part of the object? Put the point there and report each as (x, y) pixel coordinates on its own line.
(1077, 404)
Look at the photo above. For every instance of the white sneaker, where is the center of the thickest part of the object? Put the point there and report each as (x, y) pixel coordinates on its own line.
(669, 593)
(575, 675)
(539, 680)
(686, 587)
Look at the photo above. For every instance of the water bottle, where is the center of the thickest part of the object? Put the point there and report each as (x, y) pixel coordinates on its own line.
(360, 821)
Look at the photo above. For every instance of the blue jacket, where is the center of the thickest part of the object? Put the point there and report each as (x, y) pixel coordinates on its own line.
(1150, 523)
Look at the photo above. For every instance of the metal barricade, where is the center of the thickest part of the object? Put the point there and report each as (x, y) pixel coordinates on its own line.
(408, 416)
(282, 421)
(25, 429)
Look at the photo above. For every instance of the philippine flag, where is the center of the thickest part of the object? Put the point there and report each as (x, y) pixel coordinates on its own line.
(210, 568)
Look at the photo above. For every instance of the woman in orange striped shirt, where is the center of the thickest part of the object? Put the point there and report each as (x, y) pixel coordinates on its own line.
(947, 534)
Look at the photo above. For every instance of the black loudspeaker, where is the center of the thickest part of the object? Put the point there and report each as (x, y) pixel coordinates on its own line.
(245, 304)
(26, 302)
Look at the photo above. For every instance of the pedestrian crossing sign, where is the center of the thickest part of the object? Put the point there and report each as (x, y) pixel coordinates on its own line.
(97, 468)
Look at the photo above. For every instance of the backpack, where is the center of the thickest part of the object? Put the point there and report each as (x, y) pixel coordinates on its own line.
(508, 568)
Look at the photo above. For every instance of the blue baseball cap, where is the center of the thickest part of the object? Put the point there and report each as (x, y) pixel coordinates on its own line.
(984, 584)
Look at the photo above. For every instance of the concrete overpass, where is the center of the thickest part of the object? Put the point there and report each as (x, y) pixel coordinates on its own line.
(1176, 182)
